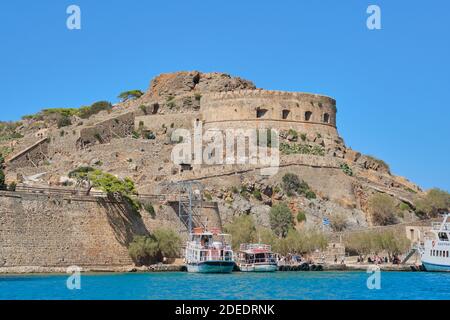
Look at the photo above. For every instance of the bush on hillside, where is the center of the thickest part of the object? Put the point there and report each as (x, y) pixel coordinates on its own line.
(292, 185)
(87, 112)
(281, 219)
(435, 202)
(242, 230)
(301, 217)
(383, 209)
(338, 222)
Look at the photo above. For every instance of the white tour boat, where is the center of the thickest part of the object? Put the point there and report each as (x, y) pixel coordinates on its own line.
(435, 251)
(209, 252)
(256, 258)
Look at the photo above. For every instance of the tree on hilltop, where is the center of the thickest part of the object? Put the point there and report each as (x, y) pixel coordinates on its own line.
(130, 95)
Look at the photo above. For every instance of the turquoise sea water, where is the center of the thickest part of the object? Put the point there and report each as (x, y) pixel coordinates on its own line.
(279, 285)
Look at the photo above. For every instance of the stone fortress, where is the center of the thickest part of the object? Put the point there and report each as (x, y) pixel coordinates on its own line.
(270, 109)
(113, 141)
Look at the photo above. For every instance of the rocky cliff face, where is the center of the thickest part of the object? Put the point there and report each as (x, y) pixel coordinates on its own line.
(179, 83)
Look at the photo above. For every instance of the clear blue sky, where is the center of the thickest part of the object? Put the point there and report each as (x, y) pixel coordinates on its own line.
(391, 85)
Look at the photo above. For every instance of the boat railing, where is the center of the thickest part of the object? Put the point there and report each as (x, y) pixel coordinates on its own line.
(208, 247)
(440, 226)
(255, 246)
(216, 258)
(260, 260)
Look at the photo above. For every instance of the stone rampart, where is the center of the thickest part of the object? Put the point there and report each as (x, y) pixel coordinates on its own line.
(102, 132)
(34, 155)
(303, 112)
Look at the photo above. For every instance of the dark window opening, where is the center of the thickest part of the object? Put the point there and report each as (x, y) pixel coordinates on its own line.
(285, 114)
(260, 113)
(155, 108)
(326, 118)
(185, 167)
(308, 115)
(443, 236)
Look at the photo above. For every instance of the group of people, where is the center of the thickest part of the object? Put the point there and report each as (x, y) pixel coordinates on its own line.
(376, 259)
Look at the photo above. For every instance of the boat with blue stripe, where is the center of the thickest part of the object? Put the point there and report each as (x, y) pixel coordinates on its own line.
(435, 250)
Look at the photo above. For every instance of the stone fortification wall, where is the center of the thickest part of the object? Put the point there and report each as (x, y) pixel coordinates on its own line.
(270, 109)
(34, 155)
(102, 132)
(156, 123)
(42, 230)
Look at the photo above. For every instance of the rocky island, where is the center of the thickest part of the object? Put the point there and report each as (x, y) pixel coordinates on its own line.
(88, 186)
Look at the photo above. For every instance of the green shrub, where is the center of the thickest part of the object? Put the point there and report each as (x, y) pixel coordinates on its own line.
(208, 196)
(130, 95)
(80, 172)
(64, 122)
(290, 183)
(281, 219)
(338, 222)
(369, 242)
(383, 209)
(153, 248)
(87, 112)
(171, 104)
(435, 202)
(346, 169)
(149, 135)
(2, 180)
(143, 109)
(150, 209)
(301, 217)
(244, 192)
(242, 230)
(257, 194)
(198, 96)
(62, 112)
(104, 181)
(135, 135)
(98, 137)
(8, 131)
(294, 148)
(404, 206)
(310, 194)
(306, 241)
(142, 250)
(293, 134)
(303, 136)
(5, 151)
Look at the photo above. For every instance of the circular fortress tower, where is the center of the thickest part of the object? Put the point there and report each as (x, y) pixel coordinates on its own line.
(281, 110)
